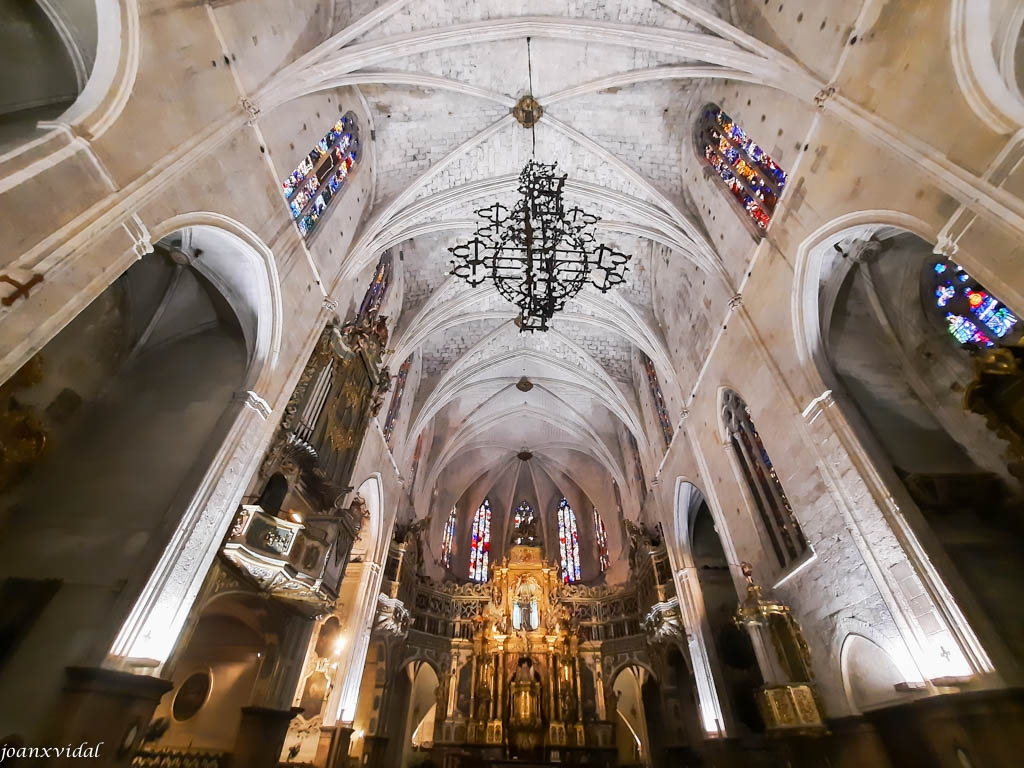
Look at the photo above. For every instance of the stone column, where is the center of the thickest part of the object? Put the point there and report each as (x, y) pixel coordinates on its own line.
(602, 708)
(342, 703)
(700, 643)
(107, 709)
(261, 737)
(502, 666)
(161, 609)
(335, 741)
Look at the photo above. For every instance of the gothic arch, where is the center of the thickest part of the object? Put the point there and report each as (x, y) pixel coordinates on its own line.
(371, 544)
(250, 279)
(983, 80)
(875, 478)
(868, 672)
(104, 87)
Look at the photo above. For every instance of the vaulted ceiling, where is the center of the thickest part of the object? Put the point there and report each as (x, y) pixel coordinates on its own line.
(619, 83)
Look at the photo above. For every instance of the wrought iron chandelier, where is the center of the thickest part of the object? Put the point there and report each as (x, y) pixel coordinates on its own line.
(539, 253)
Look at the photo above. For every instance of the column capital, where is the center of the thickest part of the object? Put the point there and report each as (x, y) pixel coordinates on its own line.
(139, 233)
(331, 305)
(946, 246)
(818, 405)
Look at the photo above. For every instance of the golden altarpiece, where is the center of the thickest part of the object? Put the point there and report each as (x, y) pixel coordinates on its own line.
(525, 660)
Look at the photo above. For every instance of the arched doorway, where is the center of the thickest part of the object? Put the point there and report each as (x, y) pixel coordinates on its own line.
(870, 676)
(49, 48)
(906, 369)
(635, 707)
(741, 675)
(118, 419)
(413, 709)
(228, 663)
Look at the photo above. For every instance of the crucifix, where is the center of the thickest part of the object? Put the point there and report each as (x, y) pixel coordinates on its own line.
(21, 289)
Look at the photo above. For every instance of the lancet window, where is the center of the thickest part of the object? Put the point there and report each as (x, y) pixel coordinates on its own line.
(480, 544)
(524, 514)
(396, 400)
(447, 539)
(321, 176)
(972, 315)
(601, 540)
(774, 510)
(638, 466)
(658, 399)
(377, 291)
(568, 542)
(753, 179)
(415, 468)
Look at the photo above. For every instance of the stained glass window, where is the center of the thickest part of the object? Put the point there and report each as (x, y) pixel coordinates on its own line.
(322, 174)
(377, 291)
(446, 540)
(480, 544)
(638, 466)
(601, 536)
(568, 542)
(396, 400)
(415, 463)
(524, 513)
(664, 421)
(751, 176)
(973, 316)
(780, 523)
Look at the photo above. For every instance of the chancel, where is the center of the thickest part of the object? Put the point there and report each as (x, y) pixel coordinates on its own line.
(477, 384)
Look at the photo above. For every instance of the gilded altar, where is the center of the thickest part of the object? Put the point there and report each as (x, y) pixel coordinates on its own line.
(522, 662)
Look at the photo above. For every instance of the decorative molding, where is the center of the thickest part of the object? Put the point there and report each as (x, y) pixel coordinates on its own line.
(946, 246)
(142, 241)
(251, 400)
(251, 109)
(824, 96)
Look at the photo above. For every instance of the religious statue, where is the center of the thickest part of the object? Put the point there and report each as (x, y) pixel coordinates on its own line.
(526, 531)
(382, 388)
(483, 701)
(611, 704)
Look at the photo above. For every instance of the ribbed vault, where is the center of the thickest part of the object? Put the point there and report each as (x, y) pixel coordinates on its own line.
(619, 83)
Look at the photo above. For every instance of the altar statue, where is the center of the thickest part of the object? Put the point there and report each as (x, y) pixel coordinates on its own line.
(525, 531)
(525, 721)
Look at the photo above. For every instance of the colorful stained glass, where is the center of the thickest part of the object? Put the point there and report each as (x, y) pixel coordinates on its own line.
(447, 539)
(974, 317)
(780, 523)
(966, 332)
(568, 542)
(524, 513)
(396, 400)
(377, 291)
(415, 463)
(601, 537)
(638, 466)
(944, 293)
(480, 543)
(321, 175)
(660, 409)
(748, 172)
